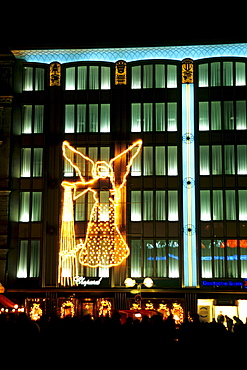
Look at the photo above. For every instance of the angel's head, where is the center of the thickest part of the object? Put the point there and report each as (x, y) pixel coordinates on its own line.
(102, 170)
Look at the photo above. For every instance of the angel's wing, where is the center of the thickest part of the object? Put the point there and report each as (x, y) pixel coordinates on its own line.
(125, 160)
(77, 160)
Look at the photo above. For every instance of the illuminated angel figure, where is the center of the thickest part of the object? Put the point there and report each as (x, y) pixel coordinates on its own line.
(104, 245)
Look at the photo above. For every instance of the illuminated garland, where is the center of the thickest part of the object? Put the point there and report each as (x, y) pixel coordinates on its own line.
(178, 313)
(104, 245)
(35, 312)
(105, 308)
(65, 306)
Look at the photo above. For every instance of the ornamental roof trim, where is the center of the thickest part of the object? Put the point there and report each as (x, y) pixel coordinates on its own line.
(132, 53)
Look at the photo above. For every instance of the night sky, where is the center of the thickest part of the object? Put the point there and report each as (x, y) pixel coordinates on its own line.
(100, 25)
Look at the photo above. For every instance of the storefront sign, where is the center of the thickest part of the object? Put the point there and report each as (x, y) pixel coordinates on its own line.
(225, 283)
(81, 280)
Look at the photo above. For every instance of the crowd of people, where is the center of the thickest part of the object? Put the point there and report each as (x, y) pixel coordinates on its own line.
(110, 336)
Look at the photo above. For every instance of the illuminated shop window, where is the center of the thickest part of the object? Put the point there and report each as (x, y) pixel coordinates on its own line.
(218, 73)
(31, 162)
(29, 259)
(88, 77)
(33, 79)
(146, 117)
(87, 118)
(154, 258)
(223, 258)
(30, 206)
(32, 119)
(226, 115)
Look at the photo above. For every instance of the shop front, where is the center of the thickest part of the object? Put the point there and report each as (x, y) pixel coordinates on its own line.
(223, 301)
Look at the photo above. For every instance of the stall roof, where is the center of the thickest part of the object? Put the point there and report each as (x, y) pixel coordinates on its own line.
(6, 302)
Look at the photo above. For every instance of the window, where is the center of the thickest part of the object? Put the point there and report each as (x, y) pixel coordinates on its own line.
(205, 208)
(230, 200)
(172, 205)
(29, 259)
(222, 73)
(156, 75)
(158, 160)
(154, 258)
(204, 160)
(32, 119)
(148, 161)
(240, 74)
(30, 206)
(226, 115)
(88, 77)
(136, 205)
(242, 159)
(33, 78)
(216, 160)
(226, 204)
(172, 161)
(31, 162)
(227, 73)
(160, 202)
(153, 116)
(87, 118)
(224, 258)
(227, 159)
(149, 205)
(242, 203)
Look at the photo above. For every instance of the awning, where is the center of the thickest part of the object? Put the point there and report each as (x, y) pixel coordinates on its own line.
(6, 303)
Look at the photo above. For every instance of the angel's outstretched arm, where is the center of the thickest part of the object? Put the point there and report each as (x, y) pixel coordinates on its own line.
(70, 152)
(130, 154)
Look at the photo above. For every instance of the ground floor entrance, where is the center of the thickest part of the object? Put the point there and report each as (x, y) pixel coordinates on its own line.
(222, 310)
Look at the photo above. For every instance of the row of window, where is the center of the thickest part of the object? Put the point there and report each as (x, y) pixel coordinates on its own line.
(157, 160)
(147, 205)
(150, 205)
(223, 159)
(223, 205)
(157, 258)
(145, 117)
(152, 75)
(153, 160)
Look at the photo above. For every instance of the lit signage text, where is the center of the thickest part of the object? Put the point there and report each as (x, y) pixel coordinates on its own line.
(81, 280)
(225, 283)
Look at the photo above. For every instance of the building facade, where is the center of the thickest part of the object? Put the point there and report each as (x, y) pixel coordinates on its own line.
(125, 163)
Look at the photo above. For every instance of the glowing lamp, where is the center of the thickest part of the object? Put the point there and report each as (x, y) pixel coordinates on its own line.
(148, 282)
(129, 283)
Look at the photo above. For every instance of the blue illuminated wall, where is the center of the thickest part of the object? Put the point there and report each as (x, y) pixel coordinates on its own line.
(132, 54)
